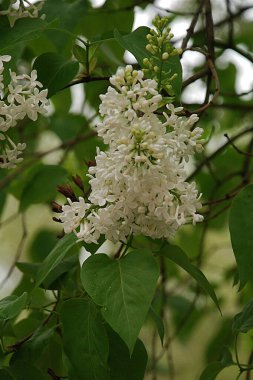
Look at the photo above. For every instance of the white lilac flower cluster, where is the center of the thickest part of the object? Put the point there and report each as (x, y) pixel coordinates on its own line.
(21, 97)
(21, 9)
(139, 185)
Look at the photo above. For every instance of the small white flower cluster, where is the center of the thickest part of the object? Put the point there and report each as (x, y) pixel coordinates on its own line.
(22, 9)
(20, 98)
(139, 185)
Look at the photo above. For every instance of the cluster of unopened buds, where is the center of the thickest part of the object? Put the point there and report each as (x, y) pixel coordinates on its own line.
(160, 48)
(138, 186)
(20, 98)
(22, 9)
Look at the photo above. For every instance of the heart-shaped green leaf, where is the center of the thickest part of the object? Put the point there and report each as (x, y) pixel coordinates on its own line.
(124, 288)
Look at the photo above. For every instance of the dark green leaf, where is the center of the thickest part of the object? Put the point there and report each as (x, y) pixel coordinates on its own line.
(122, 365)
(26, 370)
(55, 257)
(124, 288)
(60, 74)
(24, 30)
(178, 256)
(158, 321)
(5, 374)
(241, 226)
(11, 306)
(85, 340)
(42, 185)
(243, 322)
(34, 348)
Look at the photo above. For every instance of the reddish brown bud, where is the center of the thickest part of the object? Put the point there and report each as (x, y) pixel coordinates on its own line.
(67, 191)
(56, 220)
(78, 181)
(56, 207)
(91, 163)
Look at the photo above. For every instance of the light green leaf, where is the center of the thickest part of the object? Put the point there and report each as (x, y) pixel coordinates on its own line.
(136, 42)
(85, 340)
(11, 306)
(241, 227)
(178, 256)
(124, 288)
(243, 322)
(54, 72)
(55, 257)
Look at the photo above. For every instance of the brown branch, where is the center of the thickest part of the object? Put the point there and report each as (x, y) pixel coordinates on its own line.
(237, 49)
(85, 79)
(218, 151)
(37, 156)
(226, 19)
(236, 148)
(191, 28)
(194, 77)
(230, 23)
(216, 89)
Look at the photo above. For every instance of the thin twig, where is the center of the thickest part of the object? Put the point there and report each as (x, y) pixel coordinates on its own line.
(236, 148)
(218, 151)
(191, 28)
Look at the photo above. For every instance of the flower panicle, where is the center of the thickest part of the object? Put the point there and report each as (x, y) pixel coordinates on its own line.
(22, 97)
(138, 186)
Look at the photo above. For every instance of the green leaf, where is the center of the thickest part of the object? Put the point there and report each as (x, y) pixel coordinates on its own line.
(24, 30)
(25, 370)
(63, 267)
(79, 53)
(212, 370)
(178, 256)
(85, 340)
(11, 306)
(122, 365)
(34, 348)
(243, 322)
(136, 42)
(55, 257)
(6, 375)
(54, 72)
(240, 227)
(158, 321)
(41, 185)
(124, 288)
